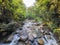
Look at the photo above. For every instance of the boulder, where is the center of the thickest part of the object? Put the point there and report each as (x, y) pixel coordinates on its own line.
(40, 41)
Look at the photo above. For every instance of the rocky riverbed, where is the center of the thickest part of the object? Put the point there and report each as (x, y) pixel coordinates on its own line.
(32, 33)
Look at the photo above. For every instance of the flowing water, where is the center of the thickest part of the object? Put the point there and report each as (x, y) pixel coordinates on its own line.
(30, 31)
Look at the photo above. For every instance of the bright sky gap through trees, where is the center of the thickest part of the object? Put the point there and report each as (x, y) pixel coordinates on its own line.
(29, 3)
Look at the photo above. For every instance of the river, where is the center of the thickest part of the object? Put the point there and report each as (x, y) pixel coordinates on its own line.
(32, 34)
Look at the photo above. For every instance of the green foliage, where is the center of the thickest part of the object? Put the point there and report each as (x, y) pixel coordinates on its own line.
(18, 10)
(57, 32)
(0, 0)
(47, 11)
(12, 10)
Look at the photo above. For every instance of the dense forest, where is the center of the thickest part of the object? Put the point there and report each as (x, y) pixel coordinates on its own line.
(14, 12)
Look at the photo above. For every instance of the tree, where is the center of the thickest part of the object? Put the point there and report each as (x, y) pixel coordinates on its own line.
(12, 10)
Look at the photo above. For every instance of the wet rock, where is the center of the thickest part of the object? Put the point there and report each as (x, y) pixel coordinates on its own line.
(30, 37)
(16, 37)
(48, 36)
(23, 38)
(35, 42)
(20, 28)
(10, 38)
(34, 35)
(37, 24)
(12, 26)
(23, 35)
(40, 41)
(27, 42)
(21, 43)
(38, 33)
(47, 32)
